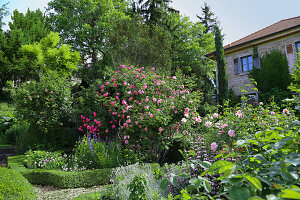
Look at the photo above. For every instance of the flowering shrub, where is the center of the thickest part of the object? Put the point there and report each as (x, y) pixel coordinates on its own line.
(143, 109)
(240, 122)
(45, 160)
(46, 104)
(268, 169)
(93, 153)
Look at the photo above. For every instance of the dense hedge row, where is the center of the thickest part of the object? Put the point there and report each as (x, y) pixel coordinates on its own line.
(62, 179)
(14, 186)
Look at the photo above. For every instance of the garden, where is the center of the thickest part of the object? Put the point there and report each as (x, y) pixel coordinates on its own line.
(133, 124)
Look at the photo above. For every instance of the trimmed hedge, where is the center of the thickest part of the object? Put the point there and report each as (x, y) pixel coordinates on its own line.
(14, 186)
(63, 179)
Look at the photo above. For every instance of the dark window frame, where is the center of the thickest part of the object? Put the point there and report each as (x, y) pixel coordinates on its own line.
(297, 44)
(248, 63)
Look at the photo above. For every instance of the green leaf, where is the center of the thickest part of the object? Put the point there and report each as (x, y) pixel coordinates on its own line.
(286, 174)
(236, 180)
(254, 181)
(290, 193)
(240, 142)
(239, 193)
(195, 182)
(207, 185)
(173, 180)
(205, 164)
(255, 198)
(164, 184)
(273, 197)
(182, 175)
(221, 166)
(295, 161)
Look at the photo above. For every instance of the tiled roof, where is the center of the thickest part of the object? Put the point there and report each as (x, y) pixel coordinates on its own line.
(272, 29)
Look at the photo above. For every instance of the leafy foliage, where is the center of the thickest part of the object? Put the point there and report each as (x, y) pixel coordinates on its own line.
(48, 56)
(207, 20)
(295, 85)
(14, 186)
(45, 105)
(221, 65)
(273, 72)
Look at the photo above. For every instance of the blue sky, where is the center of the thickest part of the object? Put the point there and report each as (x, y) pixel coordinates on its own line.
(238, 18)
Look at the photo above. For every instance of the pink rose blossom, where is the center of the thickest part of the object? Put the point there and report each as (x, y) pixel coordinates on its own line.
(224, 125)
(160, 129)
(153, 68)
(213, 146)
(208, 124)
(126, 141)
(285, 111)
(231, 133)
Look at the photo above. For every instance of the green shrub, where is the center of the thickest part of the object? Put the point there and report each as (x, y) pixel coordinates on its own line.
(273, 72)
(45, 160)
(123, 176)
(16, 163)
(14, 186)
(276, 95)
(14, 131)
(95, 154)
(60, 179)
(45, 105)
(27, 140)
(5, 123)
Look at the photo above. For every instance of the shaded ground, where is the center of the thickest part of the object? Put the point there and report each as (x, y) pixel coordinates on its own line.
(48, 192)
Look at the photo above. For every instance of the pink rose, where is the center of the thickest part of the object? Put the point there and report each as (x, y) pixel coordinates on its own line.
(213, 146)
(231, 133)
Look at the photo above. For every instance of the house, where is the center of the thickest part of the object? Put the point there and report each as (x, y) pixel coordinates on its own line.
(283, 35)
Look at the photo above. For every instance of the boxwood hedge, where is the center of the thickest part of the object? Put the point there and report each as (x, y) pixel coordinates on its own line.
(63, 179)
(14, 186)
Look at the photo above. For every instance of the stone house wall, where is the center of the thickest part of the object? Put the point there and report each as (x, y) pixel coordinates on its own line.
(235, 81)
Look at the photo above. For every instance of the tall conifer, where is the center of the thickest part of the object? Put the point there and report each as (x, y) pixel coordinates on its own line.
(221, 67)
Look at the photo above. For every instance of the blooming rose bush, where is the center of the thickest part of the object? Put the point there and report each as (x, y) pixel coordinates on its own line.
(241, 122)
(142, 109)
(46, 104)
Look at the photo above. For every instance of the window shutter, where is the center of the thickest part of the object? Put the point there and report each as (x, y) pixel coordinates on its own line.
(289, 49)
(235, 66)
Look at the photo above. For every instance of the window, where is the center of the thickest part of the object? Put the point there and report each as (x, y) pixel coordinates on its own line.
(247, 63)
(297, 46)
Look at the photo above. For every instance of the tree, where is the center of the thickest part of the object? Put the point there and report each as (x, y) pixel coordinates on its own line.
(207, 18)
(24, 29)
(34, 25)
(4, 62)
(48, 55)
(3, 13)
(130, 43)
(154, 11)
(273, 72)
(295, 85)
(85, 24)
(221, 67)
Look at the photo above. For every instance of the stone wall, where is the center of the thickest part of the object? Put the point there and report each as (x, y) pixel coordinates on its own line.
(235, 81)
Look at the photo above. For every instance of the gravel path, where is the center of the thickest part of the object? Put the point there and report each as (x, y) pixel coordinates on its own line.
(53, 193)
